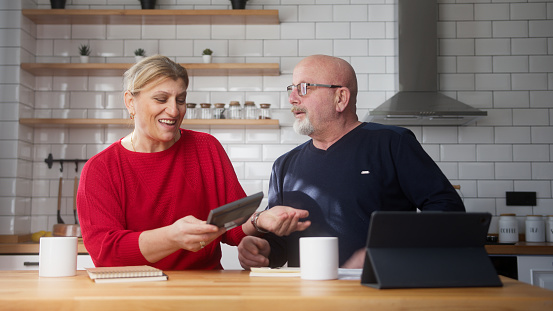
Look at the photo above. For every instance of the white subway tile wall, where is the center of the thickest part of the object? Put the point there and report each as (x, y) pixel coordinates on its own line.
(494, 55)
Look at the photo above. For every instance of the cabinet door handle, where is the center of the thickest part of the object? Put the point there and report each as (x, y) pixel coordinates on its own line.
(30, 263)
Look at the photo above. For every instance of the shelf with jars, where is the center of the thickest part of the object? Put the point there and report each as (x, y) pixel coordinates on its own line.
(218, 111)
(151, 17)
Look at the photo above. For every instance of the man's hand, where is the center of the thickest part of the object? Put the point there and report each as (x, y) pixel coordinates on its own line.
(253, 252)
(283, 220)
(356, 261)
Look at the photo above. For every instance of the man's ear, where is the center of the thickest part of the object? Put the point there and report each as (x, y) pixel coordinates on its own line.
(342, 99)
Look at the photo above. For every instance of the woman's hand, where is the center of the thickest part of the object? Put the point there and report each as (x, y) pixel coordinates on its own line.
(283, 220)
(187, 233)
(193, 234)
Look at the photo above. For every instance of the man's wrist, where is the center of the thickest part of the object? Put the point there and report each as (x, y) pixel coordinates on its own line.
(254, 219)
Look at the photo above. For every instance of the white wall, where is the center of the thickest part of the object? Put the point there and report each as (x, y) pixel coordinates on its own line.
(494, 55)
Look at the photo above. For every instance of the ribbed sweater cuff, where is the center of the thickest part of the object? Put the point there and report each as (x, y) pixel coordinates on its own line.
(130, 250)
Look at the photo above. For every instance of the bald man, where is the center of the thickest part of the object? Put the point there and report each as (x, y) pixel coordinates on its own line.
(347, 170)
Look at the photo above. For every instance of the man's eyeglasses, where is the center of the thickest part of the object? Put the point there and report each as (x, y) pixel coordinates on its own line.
(302, 87)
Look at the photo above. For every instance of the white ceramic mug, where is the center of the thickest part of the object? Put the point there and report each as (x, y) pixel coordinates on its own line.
(57, 256)
(319, 258)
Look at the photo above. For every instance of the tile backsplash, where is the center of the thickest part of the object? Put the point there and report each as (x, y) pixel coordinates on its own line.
(494, 55)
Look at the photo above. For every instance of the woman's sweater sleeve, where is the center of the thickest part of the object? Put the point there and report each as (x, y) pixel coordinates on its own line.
(102, 219)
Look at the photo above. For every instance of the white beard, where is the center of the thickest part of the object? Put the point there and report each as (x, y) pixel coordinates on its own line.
(303, 127)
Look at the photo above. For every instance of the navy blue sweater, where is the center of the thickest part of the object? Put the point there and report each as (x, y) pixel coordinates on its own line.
(372, 168)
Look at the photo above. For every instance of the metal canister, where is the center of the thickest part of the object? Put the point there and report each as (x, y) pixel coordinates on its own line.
(508, 228)
(535, 228)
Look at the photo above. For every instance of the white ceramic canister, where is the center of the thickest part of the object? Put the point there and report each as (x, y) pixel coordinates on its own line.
(508, 228)
(549, 229)
(535, 228)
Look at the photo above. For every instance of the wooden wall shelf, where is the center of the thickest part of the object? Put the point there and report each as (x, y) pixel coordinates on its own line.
(117, 69)
(153, 17)
(191, 124)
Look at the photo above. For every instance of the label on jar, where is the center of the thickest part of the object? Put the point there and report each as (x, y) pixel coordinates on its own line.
(535, 229)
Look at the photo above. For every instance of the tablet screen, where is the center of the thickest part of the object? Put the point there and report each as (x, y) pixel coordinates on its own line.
(235, 213)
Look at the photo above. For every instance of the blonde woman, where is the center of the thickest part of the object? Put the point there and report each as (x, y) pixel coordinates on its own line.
(144, 199)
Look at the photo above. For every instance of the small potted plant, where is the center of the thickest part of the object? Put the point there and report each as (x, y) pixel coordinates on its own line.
(238, 4)
(57, 4)
(139, 54)
(206, 55)
(148, 4)
(84, 52)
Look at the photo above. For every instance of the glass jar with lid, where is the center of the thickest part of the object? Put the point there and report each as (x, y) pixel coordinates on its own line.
(249, 107)
(190, 111)
(206, 110)
(508, 228)
(235, 111)
(264, 111)
(219, 111)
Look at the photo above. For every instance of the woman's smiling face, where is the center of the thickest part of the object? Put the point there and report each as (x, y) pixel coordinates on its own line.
(158, 110)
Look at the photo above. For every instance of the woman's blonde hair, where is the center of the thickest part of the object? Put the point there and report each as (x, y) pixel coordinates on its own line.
(150, 69)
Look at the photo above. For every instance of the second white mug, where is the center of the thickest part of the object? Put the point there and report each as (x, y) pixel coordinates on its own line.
(319, 258)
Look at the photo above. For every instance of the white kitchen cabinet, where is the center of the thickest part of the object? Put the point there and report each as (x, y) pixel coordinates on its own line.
(536, 270)
(30, 262)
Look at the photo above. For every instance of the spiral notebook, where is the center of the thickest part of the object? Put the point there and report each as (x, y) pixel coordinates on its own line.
(126, 274)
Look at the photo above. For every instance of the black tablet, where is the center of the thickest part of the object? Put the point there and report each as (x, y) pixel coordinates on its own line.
(235, 213)
(428, 249)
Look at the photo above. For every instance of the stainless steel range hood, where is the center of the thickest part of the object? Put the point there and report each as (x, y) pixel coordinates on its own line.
(418, 101)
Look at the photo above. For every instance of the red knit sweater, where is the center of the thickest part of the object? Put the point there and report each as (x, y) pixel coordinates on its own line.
(122, 193)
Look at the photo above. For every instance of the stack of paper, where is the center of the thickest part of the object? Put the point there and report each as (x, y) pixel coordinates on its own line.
(126, 274)
(275, 272)
(343, 274)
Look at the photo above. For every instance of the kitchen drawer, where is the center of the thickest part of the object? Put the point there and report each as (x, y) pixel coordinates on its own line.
(30, 262)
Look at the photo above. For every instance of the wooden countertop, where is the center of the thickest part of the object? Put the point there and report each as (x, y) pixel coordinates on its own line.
(236, 290)
(520, 248)
(30, 248)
